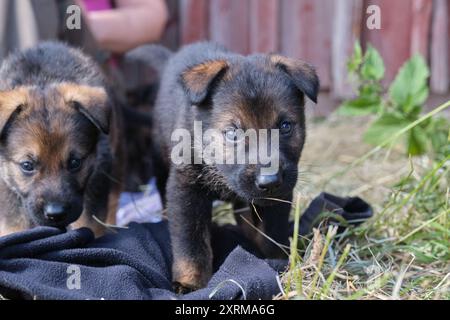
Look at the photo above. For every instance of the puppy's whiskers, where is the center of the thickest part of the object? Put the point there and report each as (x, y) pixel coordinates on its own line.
(108, 226)
(281, 246)
(273, 199)
(256, 211)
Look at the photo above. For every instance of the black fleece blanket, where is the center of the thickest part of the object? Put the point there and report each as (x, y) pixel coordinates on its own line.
(134, 263)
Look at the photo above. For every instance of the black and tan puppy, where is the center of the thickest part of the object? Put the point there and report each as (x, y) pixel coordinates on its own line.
(226, 92)
(56, 159)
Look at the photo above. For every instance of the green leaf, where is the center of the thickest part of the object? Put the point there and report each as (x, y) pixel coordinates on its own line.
(359, 106)
(417, 141)
(439, 132)
(356, 59)
(373, 66)
(384, 127)
(409, 88)
(368, 89)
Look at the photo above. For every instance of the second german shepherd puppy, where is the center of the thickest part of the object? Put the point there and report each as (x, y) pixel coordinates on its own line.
(56, 158)
(227, 92)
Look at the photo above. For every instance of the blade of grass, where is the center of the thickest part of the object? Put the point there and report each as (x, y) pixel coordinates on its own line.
(371, 288)
(294, 257)
(331, 277)
(330, 234)
(423, 225)
(398, 283)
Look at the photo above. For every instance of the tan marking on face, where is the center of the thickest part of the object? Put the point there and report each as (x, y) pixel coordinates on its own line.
(86, 95)
(198, 77)
(10, 101)
(93, 101)
(15, 97)
(247, 116)
(293, 64)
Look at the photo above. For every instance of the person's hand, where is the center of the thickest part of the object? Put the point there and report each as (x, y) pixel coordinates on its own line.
(130, 24)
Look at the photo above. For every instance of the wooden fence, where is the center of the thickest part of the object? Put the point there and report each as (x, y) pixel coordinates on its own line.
(321, 32)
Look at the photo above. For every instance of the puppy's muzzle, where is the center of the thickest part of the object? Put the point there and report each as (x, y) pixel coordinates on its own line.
(267, 182)
(55, 211)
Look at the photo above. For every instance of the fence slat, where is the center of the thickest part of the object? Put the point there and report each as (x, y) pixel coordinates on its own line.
(393, 40)
(264, 25)
(440, 47)
(306, 28)
(170, 38)
(194, 16)
(420, 26)
(346, 30)
(229, 24)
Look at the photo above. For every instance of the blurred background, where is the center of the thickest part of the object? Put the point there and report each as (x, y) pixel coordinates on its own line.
(323, 32)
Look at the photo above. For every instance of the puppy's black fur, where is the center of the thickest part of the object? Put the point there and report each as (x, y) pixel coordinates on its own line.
(205, 82)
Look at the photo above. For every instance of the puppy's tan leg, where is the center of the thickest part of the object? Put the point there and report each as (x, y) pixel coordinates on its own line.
(113, 206)
(5, 230)
(189, 211)
(87, 221)
(8, 226)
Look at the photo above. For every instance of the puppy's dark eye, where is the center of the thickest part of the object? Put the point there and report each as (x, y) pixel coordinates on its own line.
(230, 134)
(285, 127)
(234, 135)
(74, 164)
(27, 166)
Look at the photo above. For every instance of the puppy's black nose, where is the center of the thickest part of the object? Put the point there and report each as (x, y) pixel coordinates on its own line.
(268, 181)
(55, 211)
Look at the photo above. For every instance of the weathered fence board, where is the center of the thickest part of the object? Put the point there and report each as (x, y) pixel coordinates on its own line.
(440, 48)
(229, 24)
(393, 40)
(194, 18)
(346, 30)
(306, 30)
(264, 25)
(171, 36)
(420, 26)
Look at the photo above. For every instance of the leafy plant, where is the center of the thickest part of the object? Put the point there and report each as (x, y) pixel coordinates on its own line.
(397, 108)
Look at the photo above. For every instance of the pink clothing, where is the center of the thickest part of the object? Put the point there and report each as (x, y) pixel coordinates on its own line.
(97, 5)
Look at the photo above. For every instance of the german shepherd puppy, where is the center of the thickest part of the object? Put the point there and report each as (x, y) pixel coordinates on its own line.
(57, 161)
(226, 92)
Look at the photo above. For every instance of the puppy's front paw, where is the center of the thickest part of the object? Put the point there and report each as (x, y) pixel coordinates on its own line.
(188, 276)
(180, 288)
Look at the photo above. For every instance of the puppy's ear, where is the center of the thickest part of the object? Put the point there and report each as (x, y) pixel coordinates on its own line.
(92, 102)
(11, 103)
(198, 80)
(303, 74)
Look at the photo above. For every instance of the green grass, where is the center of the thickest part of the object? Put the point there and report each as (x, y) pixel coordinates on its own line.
(402, 252)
